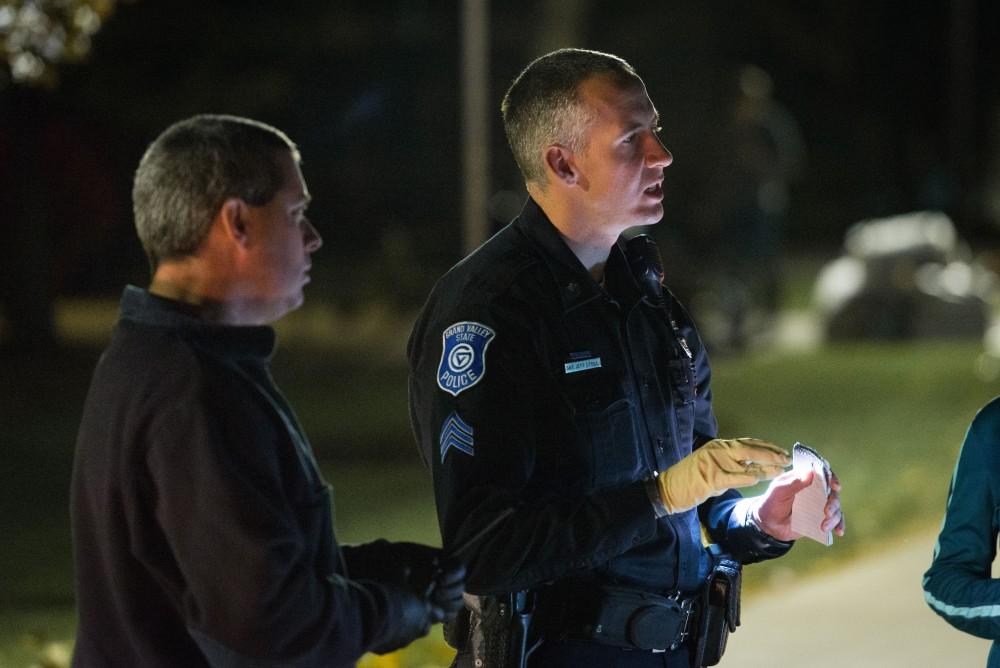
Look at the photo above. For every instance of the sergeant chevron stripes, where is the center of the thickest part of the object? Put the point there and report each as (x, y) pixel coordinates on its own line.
(455, 433)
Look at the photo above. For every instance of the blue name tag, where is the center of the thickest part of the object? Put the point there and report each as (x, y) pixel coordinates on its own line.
(582, 365)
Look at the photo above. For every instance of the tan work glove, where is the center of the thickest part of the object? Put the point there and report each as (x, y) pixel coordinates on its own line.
(717, 466)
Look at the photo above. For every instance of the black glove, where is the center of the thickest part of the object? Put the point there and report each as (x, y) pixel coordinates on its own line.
(447, 588)
(414, 620)
(424, 570)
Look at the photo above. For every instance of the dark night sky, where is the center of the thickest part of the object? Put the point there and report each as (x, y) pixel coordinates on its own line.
(370, 92)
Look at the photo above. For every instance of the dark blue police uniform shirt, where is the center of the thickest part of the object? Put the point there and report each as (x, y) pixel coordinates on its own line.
(542, 401)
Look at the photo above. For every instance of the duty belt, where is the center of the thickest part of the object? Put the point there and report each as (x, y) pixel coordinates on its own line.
(617, 616)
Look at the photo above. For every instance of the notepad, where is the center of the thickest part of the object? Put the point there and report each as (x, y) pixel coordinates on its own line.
(809, 505)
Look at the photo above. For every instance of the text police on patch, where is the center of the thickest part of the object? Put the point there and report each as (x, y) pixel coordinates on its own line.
(463, 356)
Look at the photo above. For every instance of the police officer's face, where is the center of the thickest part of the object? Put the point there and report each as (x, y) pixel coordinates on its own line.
(284, 239)
(621, 165)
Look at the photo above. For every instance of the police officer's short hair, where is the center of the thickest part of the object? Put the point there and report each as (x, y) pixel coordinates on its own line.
(542, 106)
(192, 168)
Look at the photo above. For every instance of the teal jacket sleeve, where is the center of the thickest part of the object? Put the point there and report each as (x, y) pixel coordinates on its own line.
(958, 586)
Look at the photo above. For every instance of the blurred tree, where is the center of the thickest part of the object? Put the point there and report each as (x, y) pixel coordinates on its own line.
(36, 36)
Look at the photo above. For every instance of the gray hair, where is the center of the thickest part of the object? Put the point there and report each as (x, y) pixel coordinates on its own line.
(542, 107)
(192, 168)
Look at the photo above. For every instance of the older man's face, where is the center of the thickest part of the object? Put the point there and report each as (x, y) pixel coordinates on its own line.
(622, 162)
(282, 243)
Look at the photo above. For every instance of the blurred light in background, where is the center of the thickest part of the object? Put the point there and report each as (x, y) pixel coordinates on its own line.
(903, 277)
(38, 35)
(930, 231)
(838, 281)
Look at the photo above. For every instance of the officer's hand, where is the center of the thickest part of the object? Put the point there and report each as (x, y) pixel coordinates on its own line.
(773, 510)
(717, 466)
(413, 619)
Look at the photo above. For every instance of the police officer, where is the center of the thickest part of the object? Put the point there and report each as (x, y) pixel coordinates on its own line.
(566, 409)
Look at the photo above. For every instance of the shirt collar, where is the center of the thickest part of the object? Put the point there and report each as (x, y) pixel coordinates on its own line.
(251, 343)
(576, 286)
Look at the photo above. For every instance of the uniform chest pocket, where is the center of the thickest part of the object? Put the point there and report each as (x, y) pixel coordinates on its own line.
(605, 440)
(681, 381)
(682, 395)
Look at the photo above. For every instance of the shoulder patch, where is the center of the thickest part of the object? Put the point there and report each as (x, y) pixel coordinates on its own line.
(463, 356)
(455, 433)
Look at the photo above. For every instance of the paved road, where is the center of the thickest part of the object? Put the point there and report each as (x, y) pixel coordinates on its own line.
(871, 613)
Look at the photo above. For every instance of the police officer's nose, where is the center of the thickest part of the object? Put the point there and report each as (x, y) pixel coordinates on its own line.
(659, 156)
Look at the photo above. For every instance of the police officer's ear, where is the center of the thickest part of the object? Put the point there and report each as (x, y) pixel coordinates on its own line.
(559, 162)
(232, 218)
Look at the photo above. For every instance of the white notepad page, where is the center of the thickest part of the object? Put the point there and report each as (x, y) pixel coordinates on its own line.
(809, 505)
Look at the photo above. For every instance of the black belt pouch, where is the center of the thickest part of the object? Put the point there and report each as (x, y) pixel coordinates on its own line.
(720, 612)
(630, 618)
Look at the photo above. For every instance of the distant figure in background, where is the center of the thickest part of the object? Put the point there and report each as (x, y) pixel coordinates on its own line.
(958, 585)
(202, 527)
(764, 152)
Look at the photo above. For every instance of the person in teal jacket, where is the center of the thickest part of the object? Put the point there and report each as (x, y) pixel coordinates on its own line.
(958, 585)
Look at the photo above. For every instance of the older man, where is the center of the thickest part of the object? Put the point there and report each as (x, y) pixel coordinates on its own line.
(202, 526)
(562, 397)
